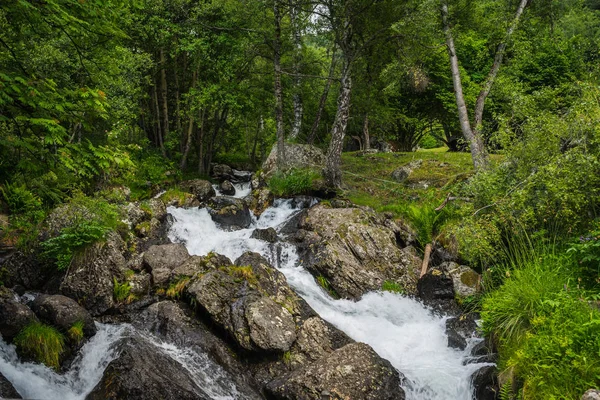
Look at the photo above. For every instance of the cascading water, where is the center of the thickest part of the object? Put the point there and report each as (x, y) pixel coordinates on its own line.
(400, 329)
(36, 381)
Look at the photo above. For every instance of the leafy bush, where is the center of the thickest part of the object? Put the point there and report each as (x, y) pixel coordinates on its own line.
(587, 253)
(42, 342)
(545, 329)
(293, 182)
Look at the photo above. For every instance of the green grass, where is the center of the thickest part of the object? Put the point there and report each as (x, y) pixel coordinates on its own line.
(324, 283)
(393, 287)
(42, 342)
(176, 288)
(122, 291)
(293, 182)
(242, 273)
(545, 329)
(75, 332)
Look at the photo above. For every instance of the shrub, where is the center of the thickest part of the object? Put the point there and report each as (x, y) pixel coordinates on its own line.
(42, 342)
(293, 182)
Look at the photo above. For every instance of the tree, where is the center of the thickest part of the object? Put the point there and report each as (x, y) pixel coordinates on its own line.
(472, 131)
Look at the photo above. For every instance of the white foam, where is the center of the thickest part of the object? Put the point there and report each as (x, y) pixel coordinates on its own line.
(398, 328)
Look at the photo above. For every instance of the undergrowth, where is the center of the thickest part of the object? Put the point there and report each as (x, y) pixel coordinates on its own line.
(293, 182)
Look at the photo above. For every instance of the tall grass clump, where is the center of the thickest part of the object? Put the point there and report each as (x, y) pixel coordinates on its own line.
(544, 328)
(292, 182)
(41, 342)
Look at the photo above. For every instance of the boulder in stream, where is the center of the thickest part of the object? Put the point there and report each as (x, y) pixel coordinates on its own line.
(63, 313)
(203, 190)
(268, 235)
(14, 315)
(356, 250)
(354, 371)
(162, 260)
(229, 213)
(227, 188)
(7, 390)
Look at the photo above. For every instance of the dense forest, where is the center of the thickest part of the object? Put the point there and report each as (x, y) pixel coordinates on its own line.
(491, 106)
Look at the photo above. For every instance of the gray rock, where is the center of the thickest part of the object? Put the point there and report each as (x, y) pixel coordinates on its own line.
(227, 188)
(241, 176)
(221, 172)
(163, 259)
(89, 279)
(230, 213)
(202, 189)
(403, 173)
(63, 313)
(7, 390)
(268, 235)
(201, 264)
(355, 249)
(354, 371)
(142, 371)
(14, 316)
(435, 285)
(24, 270)
(271, 326)
(261, 199)
(297, 156)
(466, 281)
(485, 383)
(140, 284)
(591, 394)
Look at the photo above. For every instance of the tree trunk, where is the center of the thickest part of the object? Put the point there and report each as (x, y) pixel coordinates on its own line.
(426, 256)
(323, 100)
(201, 169)
(333, 163)
(277, 87)
(297, 97)
(163, 87)
(190, 130)
(159, 137)
(366, 139)
(478, 152)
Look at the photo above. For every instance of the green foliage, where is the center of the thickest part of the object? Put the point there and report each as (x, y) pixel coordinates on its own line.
(293, 182)
(544, 327)
(71, 241)
(428, 222)
(122, 291)
(175, 289)
(394, 287)
(586, 251)
(324, 283)
(42, 342)
(75, 332)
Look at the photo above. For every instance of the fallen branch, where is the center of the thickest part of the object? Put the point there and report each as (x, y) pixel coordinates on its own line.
(452, 198)
(426, 256)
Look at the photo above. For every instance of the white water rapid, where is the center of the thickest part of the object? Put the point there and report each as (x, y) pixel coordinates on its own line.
(400, 329)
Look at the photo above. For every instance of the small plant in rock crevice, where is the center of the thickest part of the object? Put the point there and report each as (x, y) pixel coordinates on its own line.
(41, 342)
(122, 292)
(75, 332)
(175, 289)
(393, 287)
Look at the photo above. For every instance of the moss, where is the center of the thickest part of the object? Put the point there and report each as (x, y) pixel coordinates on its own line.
(42, 342)
(324, 283)
(241, 273)
(75, 332)
(394, 287)
(287, 358)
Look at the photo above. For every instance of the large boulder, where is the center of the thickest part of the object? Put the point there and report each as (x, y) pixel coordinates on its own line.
(229, 213)
(356, 250)
(354, 371)
(7, 390)
(162, 260)
(14, 315)
(201, 265)
(143, 371)
(268, 235)
(25, 270)
(221, 172)
(90, 278)
(63, 313)
(296, 156)
(261, 199)
(203, 190)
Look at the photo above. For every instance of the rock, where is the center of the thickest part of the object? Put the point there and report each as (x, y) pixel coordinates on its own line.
(591, 394)
(25, 270)
(355, 249)
(200, 188)
(63, 216)
(485, 383)
(297, 156)
(201, 264)
(175, 322)
(316, 339)
(435, 285)
(241, 176)
(90, 278)
(14, 316)
(229, 213)
(140, 284)
(459, 329)
(135, 214)
(257, 181)
(340, 203)
(401, 174)
(162, 260)
(142, 371)
(268, 235)
(157, 209)
(261, 199)
(227, 188)
(354, 371)
(180, 199)
(63, 313)
(221, 172)
(7, 390)
(271, 326)
(465, 280)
